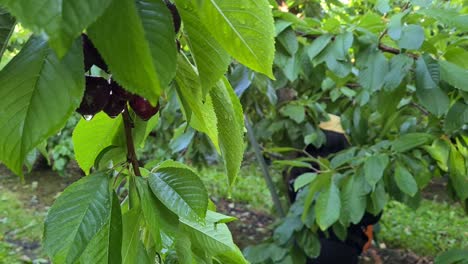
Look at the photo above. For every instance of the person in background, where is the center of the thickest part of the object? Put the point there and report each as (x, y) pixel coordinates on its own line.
(359, 236)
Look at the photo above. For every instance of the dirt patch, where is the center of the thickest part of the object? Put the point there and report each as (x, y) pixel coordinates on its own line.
(392, 256)
(252, 227)
(41, 187)
(436, 190)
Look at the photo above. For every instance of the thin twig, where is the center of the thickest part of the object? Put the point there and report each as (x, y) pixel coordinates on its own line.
(266, 173)
(131, 154)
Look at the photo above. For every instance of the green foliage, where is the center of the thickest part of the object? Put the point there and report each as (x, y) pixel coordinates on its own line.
(35, 120)
(230, 126)
(90, 138)
(80, 215)
(227, 22)
(180, 189)
(209, 56)
(388, 69)
(151, 66)
(7, 25)
(121, 213)
(62, 22)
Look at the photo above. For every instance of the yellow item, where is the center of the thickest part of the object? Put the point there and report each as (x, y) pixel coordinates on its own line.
(334, 124)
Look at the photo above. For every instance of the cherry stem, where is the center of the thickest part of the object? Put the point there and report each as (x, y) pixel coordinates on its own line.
(131, 154)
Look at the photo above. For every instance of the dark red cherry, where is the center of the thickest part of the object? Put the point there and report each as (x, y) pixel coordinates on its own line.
(117, 101)
(175, 16)
(96, 96)
(91, 55)
(143, 108)
(120, 91)
(115, 106)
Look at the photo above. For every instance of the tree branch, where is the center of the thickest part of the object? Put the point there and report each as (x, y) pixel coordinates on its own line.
(131, 154)
(395, 51)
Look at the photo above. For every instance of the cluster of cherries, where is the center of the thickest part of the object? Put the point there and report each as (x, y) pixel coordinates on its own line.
(107, 95)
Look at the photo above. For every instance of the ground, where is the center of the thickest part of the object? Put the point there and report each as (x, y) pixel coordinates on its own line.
(42, 186)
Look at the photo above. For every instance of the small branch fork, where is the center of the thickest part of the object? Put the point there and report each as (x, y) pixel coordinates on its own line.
(131, 154)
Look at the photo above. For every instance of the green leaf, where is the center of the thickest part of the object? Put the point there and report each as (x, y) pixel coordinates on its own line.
(400, 65)
(454, 75)
(412, 37)
(7, 26)
(102, 248)
(310, 243)
(456, 117)
(439, 151)
(434, 100)
(295, 112)
(293, 163)
(61, 20)
(213, 240)
(304, 179)
(281, 25)
(328, 206)
(353, 199)
(244, 28)
(452, 256)
(379, 199)
(457, 56)
(142, 129)
(410, 141)
(451, 17)
(76, 217)
(374, 168)
(382, 6)
(288, 40)
(131, 235)
(342, 158)
(315, 188)
(91, 137)
(318, 45)
(372, 76)
(427, 89)
(144, 42)
(458, 173)
(182, 140)
(371, 23)
(210, 58)
(190, 92)
(405, 181)
(341, 45)
(395, 26)
(338, 67)
(262, 252)
(230, 125)
(39, 93)
(156, 215)
(159, 31)
(290, 65)
(180, 189)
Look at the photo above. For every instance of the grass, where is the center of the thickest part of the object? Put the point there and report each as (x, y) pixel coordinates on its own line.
(18, 226)
(250, 187)
(432, 229)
